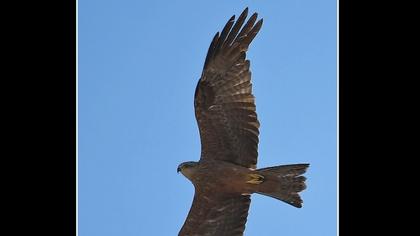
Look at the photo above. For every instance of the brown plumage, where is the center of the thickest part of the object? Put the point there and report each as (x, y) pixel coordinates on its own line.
(225, 111)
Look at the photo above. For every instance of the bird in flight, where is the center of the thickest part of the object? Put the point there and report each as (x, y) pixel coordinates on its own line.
(226, 174)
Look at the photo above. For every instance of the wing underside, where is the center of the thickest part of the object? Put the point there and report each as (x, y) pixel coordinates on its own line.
(216, 215)
(224, 104)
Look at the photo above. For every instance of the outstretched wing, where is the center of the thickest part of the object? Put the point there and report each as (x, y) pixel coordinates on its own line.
(224, 104)
(216, 215)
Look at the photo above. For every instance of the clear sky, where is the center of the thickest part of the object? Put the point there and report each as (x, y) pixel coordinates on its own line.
(139, 63)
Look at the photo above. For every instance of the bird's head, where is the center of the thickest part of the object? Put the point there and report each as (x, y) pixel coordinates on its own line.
(187, 168)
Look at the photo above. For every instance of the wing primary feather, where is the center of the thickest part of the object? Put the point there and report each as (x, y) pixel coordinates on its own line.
(254, 31)
(224, 33)
(211, 50)
(247, 27)
(242, 43)
(236, 28)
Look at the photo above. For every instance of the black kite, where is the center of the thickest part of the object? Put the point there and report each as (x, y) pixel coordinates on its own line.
(226, 174)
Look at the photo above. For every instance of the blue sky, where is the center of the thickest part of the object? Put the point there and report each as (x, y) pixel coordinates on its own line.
(139, 62)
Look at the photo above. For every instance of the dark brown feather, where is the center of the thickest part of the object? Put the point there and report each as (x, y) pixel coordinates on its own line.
(212, 215)
(236, 28)
(284, 183)
(224, 104)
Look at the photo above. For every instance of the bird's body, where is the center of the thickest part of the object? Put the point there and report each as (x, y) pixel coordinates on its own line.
(203, 176)
(226, 174)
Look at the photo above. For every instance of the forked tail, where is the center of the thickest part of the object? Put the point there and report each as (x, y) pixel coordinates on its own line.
(283, 183)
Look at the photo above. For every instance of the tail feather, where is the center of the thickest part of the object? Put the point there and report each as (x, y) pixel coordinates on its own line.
(283, 183)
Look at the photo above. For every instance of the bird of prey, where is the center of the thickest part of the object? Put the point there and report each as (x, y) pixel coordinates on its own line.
(226, 174)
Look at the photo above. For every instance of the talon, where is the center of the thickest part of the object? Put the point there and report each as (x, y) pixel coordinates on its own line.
(255, 179)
